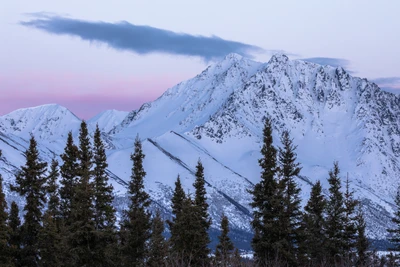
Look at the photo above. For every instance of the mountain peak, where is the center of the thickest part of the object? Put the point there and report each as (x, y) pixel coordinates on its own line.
(233, 57)
(278, 58)
(218, 116)
(52, 106)
(108, 119)
(43, 121)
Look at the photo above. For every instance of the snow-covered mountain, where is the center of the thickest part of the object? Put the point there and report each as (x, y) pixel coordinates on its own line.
(218, 116)
(50, 123)
(108, 119)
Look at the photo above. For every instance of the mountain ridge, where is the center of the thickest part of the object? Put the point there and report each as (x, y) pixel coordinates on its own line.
(218, 115)
(108, 119)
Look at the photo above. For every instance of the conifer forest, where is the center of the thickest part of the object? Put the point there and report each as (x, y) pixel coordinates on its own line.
(68, 217)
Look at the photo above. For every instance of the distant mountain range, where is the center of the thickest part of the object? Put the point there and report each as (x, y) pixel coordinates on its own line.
(217, 117)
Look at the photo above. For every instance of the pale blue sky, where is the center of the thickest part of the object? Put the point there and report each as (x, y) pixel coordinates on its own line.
(37, 67)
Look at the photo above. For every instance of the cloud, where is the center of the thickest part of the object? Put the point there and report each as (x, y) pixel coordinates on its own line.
(390, 84)
(387, 80)
(140, 39)
(335, 62)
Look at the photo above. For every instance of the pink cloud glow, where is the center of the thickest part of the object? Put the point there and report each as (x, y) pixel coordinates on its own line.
(85, 106)
(84, 95)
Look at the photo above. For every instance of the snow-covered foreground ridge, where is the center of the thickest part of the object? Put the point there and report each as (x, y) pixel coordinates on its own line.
(218, 115)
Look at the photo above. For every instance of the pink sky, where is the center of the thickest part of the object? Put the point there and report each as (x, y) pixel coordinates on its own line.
(85, 95)
(37, 67)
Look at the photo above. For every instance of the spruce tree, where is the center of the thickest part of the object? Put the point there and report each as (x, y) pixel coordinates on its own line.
(50, 239)
(31, 184)
(391, 260)
(225, 249)
(395, 232)
(201, 206)
(5, 252)
(362, 243)
(177, 200)
(81, 237)
(237, 259)
(14, 237)
(336, 217)
(135, 229)
(68, 171)
(266, 203)
(178, 197)
(290, 218)
(53, 192)
(313, 227)
(157, 245)
(104, 212)
(50, 242)
(350, 229)
(185, 250)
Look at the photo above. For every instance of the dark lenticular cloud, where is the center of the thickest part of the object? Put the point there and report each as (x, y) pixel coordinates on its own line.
(140, 39)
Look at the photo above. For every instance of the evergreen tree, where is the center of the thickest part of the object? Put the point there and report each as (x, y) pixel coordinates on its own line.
(313, 230)
(135, 229)
(336, 217)
(362, 243)
(69, 175)
(14, 238)
(375, 260)
(266, 203)
(395, 232)
(52, 190)
(290, 218)
(350, 229)
(391, 260)
(5, 253)
(81, 238)
(103, 209)
(177, 202)
(225, 248)
(237, 259)
(178, 197)
(31, 184)
(188, 224)
(50, 240)
(201, 206)
(185, 250)
(157, 245)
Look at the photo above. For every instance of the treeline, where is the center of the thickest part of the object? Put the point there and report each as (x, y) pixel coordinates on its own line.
(329, 232)
(73, 222)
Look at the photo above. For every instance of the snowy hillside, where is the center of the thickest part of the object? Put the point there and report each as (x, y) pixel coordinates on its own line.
(331, 116)
(50, 124)
(218, 117)
(189, 103)
(108, 119)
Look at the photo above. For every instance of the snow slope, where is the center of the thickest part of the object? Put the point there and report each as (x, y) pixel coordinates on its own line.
(108, 119)
(217, 117)
(50, 124)
(332, 116)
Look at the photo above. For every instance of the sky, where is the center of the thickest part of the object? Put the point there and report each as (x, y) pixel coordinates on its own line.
(90, 56)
